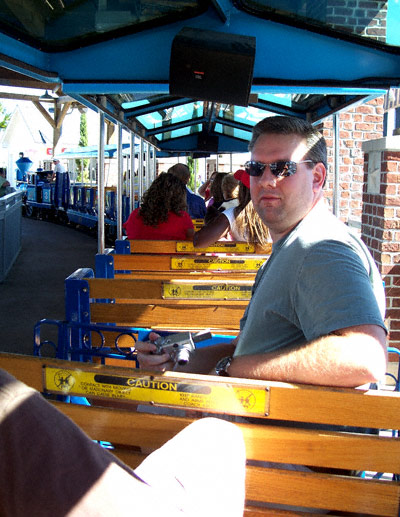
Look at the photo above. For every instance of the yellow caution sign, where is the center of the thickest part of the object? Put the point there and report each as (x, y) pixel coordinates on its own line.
(217, 263)
(218, 247)
(158, 390)
(201, 291)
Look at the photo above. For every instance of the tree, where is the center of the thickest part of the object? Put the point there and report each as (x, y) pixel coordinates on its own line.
(82, 164)
(4, 117)
(191, 163)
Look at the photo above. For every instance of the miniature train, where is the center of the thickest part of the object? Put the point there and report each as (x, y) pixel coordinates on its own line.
(52, 196)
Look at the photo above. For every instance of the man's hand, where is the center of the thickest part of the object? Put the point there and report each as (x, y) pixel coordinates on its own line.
(147, 357)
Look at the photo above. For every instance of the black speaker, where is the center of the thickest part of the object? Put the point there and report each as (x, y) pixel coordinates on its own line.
(207, 143)
(212, 66)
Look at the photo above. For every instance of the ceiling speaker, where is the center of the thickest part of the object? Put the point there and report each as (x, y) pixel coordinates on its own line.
(212, 66)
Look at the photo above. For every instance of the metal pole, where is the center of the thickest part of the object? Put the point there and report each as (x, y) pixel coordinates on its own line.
(100, 187)
(154, 163)
(146, 168)
(195, 176)
(132, 175)
(140, 170)
(119, 183)
(336, 144)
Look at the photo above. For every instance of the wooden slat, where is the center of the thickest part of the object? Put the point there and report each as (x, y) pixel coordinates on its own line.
(169, 316)
(252, 511)
(116, 288)
(375, 409)
(187, 275)
(142, 262)
(315, 448)
(292, 402)
(124, 427)
(339, 493)
(168, 246)
(137, 289)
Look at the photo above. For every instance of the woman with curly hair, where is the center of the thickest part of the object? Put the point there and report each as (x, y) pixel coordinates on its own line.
(162, 214)
(240, 223)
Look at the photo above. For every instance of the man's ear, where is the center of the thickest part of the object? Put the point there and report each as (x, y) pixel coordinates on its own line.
(319, 175)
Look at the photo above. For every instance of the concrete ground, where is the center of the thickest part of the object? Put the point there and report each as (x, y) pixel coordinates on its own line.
(34, 288)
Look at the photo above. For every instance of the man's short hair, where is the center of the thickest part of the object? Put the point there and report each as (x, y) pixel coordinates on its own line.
(279, 125)
(181, 171)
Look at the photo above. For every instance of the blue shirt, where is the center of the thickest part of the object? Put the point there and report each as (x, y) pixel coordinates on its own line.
(196, 205)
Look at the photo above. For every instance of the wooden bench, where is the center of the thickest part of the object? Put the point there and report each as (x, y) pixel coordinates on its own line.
(134, 303)
(273, 438)
(135, 258)
(129, 246)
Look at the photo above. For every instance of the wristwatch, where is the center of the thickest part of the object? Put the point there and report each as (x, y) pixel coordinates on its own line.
(223, 365)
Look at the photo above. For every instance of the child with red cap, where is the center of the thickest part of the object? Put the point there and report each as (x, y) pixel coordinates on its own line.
(240, 223)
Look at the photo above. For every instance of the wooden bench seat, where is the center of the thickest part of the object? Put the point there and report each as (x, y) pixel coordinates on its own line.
(140, 303)
(271, 438)
(133, 258)
(112, 265)
(128, 246)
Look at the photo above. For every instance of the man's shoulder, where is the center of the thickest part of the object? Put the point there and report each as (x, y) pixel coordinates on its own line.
(195, 201)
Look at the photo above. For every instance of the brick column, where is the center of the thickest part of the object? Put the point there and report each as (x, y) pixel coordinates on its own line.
(381, 220)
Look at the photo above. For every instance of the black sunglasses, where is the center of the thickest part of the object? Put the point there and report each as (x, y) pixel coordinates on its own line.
(279, 169)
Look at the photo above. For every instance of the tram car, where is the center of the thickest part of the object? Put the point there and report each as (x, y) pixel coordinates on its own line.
(52, 196)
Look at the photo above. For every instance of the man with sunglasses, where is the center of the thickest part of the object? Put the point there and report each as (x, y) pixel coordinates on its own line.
(317, 308)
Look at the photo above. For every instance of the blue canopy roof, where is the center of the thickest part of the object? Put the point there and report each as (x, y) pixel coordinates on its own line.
(90, 151)
(312, 59)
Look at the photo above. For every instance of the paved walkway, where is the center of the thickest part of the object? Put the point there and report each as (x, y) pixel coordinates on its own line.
(34, 288)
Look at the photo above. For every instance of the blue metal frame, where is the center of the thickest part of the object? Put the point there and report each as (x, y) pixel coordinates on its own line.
(104, 264)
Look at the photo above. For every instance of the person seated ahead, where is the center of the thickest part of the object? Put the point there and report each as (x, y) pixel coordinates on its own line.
(195, 204)
(162, 214)
(217, 197)
(230, 191)
(240, 223)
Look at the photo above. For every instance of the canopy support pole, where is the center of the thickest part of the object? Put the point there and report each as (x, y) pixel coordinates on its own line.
(120, 182)
(100, 186)
(336, 208)
(132, 175)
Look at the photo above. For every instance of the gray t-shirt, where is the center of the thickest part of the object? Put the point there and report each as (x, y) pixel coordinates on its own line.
(319, 278)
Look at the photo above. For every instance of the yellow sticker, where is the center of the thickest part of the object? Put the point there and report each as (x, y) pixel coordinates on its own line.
(218, 291)
(217, 263)
(158, 390)
(218, 247)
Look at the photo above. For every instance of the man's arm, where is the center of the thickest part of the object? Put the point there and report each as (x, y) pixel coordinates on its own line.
(202, 361)
(348, 358)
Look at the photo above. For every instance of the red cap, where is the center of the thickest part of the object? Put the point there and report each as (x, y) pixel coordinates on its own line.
(242, 176)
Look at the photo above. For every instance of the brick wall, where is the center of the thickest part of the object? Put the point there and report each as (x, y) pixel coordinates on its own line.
(365, 17)
(360, 124)
(381, 221)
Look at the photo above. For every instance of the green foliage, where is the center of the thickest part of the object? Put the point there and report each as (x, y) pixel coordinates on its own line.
(191, 163)
(82, 165)
(4, 117)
